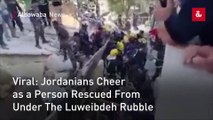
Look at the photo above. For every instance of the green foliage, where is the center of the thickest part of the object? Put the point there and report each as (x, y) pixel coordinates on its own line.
(26, 3)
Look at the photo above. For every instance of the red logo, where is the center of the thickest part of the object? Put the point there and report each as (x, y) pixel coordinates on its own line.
(198, 14)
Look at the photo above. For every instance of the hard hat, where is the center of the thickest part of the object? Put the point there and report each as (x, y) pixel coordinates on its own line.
(143, 40)
(114, 52)
(126, 39)
(132, 35)
(120, 46)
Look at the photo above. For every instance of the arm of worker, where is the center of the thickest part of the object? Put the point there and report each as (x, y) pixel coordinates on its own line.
(181, 27)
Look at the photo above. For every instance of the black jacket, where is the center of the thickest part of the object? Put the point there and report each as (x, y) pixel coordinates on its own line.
(44, 6)
(181, 27)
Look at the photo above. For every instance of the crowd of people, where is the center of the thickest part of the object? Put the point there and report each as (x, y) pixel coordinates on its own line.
(126, 52)
(123, 49)
(124, 57)
(10, 17)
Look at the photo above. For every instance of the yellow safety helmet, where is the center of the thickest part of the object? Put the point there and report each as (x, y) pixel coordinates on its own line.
(120, 46)
(114, 52)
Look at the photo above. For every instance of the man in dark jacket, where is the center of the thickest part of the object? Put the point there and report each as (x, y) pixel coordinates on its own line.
(37, 25)
(63, 36)
(73, 52)
(44, 8)
(86, 45)
(14, 9)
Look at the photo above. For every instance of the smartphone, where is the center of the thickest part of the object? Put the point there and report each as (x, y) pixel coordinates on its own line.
(163, 3)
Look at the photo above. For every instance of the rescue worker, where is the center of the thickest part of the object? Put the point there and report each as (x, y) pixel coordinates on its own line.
(142, 54)
(63, 36)
(121, 67)
(132, 44)
(135, 52)
(14, 10)
(112, 64)
(120, 46)
(113, 69)
(44, 8)
(86, 45)
(37, 25)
